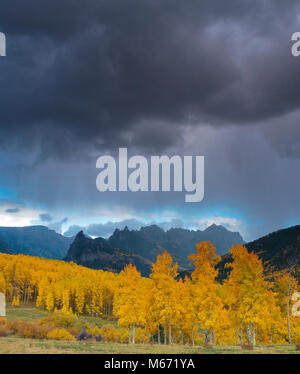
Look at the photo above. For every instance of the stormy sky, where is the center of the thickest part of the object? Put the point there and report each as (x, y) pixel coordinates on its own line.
(208, 77)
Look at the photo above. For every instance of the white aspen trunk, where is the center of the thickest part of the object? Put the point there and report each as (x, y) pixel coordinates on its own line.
(254, 337)
(129, 339)
(248, 334)
(271, 337)
(133, 333)
(165, 335)
(237, 334)
(242, 335)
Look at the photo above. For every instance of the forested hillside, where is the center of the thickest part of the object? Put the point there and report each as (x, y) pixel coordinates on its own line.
(248, 306)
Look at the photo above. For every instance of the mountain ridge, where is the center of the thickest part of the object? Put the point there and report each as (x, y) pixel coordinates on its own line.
(279, 250)
(147, 243)
(35, 240)
(98, 253)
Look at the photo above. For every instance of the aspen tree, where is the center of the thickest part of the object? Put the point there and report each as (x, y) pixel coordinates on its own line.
(163, 274)
(129, 303)
(207, 302)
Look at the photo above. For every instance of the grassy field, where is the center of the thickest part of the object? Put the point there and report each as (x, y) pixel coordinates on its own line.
(30, 313)
(25, 313)
(18, 345)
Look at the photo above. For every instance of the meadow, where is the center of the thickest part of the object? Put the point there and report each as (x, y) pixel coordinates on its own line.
(28, 313)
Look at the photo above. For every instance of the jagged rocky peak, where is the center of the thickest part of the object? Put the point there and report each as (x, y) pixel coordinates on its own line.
(148, 242)
(153, 230)
(80, 235)
(214, 227)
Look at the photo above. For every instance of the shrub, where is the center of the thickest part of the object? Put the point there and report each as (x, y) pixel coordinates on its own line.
(123, 335)
(30, 329)
(84, 335)
(60, 334)
(298, 347)
(14, 325)
(4, 331)
(74, 330)
(4, 328)
(61, 320)
(109, 333)
(94, 331)
(70, 322)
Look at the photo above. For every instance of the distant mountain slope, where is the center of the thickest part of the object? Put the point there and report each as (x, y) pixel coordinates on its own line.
(279, 249)
(100, 254)
(142, 246)
(34, 240)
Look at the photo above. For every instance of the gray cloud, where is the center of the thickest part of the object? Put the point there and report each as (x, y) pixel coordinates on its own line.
(106, 229)
(102, 74)
(58, 226)
(12, 210)
(46, 217)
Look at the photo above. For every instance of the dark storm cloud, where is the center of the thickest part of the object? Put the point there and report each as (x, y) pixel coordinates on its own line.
(95, 75)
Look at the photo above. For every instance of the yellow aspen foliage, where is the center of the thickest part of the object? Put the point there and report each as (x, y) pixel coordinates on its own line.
(285, 285)
(60, 334)
(205, 261)
(250, 299)
(16, 301)
(209, 311)
(2, 284)
(129, 300)
(250, 306)
(164, 293)
(50, 300)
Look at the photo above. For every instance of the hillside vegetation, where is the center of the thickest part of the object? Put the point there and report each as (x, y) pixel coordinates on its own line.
(247, 308)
